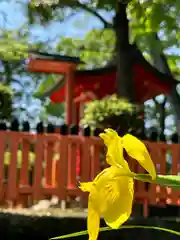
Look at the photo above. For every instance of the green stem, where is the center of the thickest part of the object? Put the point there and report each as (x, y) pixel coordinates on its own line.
(103, 229)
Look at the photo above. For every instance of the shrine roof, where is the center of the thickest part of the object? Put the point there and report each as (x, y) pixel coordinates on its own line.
(54, 57)
(152, 82)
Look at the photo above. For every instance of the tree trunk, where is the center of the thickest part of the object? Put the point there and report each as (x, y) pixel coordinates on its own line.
(161, 64)
(175, 100)
(125, 85)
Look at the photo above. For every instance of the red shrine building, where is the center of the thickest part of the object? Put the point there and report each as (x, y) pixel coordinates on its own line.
(79, 86)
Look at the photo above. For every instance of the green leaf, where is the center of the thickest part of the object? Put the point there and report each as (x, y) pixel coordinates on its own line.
(103, 229)
(48, 86)
(55, 109)
(164, 180)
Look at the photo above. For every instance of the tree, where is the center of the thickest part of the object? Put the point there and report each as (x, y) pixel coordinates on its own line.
(14, 50)
(153, 23)
(5, 102)
(146, 18)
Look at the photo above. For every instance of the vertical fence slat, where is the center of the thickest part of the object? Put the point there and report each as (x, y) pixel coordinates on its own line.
(49, 163)
(37, 183)
(162, 149)
(12, 190)
(62, 169)
(175, 195)
(95, 149)
(85, 161)
(85, 167)
(24, 172)
(72, 153)
(2, 175)
(24, 177)
(153, 187)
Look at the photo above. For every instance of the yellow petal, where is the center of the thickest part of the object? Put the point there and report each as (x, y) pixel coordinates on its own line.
(93, 221)
(137, 150)
(114, 149)
(113, 172)
(112, 196)
(119, 197)
(86, 186)
(108, 136)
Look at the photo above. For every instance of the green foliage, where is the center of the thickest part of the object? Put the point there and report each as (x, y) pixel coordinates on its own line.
(46, 86)
(5, 89)
(154, 16)
(95, 49)
(146, 18)
(172, 181)
(45, 89)
(5, 101)
(111, 112)
(55, 109)
(151, 17)
(13, 45)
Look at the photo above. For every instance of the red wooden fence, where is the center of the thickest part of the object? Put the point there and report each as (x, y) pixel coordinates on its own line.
(54, 171)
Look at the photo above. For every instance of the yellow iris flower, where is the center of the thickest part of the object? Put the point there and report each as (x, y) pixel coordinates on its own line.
(111, 193)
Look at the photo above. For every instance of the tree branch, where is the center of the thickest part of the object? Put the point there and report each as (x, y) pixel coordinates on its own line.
(155, 101)
(96, 14)
(159, 58)
(74, 4)
(18, 82)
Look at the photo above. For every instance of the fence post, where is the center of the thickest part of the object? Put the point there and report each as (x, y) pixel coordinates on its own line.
(62, 167)
(85, 164)
(3, 126)
(40, 156)
(24, 170)
(25, 126)
(64, 129)
(3, 167)
(153, 136)
(50, 128)
(87, 131)
(40, 128)
(49, 147)
(12, 189)
(14, 126)
(174, 138)
(72, 157)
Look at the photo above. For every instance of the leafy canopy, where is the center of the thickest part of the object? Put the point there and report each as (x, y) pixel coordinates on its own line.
(95, 49)
(146, 19)
(13, 45)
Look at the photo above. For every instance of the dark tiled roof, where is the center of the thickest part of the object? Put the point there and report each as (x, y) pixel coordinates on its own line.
(55, 57)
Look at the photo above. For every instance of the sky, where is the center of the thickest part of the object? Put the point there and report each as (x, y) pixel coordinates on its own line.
(76, 26)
